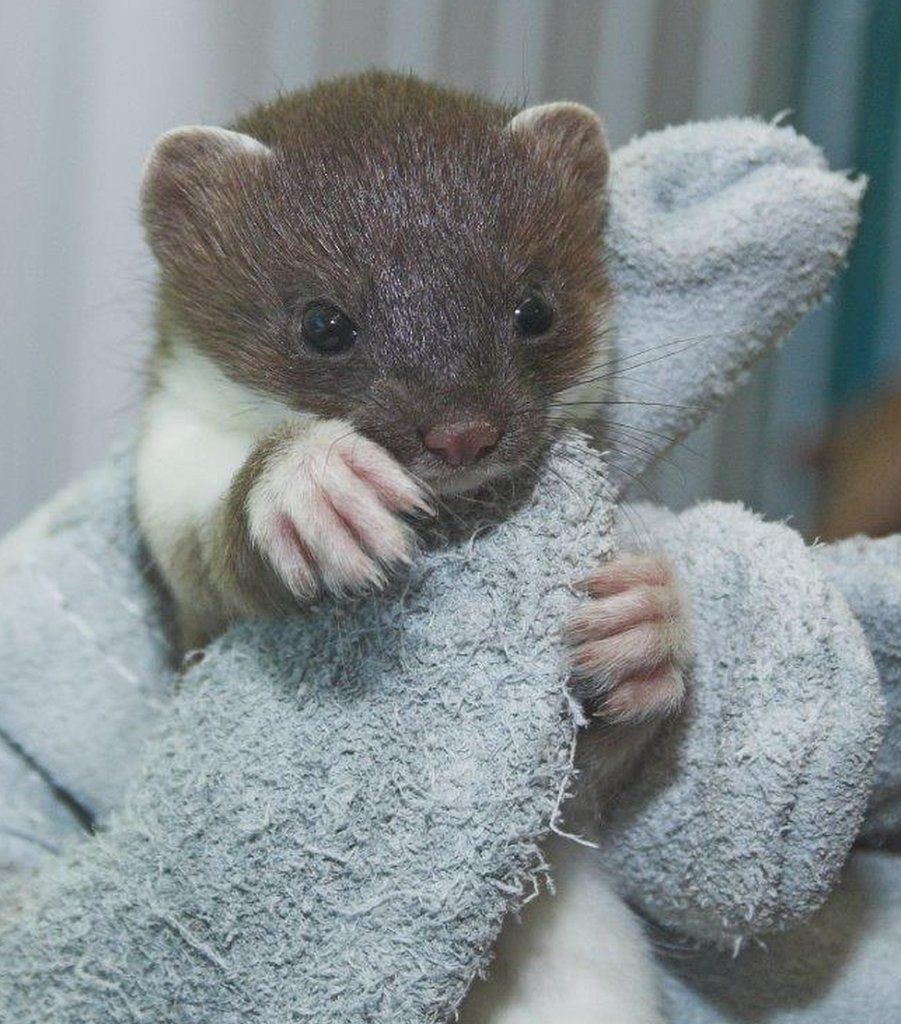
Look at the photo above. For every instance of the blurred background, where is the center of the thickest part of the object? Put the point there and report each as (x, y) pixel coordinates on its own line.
(87, 85)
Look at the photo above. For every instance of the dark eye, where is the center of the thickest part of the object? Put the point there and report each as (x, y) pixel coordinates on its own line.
(326, 329)
(533, 315)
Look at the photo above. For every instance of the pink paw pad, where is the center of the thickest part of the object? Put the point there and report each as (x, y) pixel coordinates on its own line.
(328, 512)
(628, 640)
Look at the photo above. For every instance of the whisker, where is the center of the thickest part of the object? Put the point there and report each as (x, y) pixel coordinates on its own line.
(620, 370)
(632, 447)
(650, 432)
(616, 401)
(680, 344)
(656, 434)
(630, 511)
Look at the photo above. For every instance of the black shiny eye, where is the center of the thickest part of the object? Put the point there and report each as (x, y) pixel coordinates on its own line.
(533, 315)
(326, 329)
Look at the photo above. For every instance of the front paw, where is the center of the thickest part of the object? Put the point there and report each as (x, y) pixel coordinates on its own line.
(629, 641)
(326, 510)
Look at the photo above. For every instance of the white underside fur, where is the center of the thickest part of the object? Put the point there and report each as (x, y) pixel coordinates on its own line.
(199, 427)
(578, 956)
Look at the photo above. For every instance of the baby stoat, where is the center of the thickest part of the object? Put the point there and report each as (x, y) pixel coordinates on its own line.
(370, 293)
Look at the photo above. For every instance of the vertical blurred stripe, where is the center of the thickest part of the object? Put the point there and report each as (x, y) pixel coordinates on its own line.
(414, 35)
(888, 353)
(678, 32)
(830, 45)
(467, 44)
(728, 65)
(517, 71)
(354, 35)
(764, 51)
(875, 149)
(719, 45)
(39, 216)
(79, 118)
(293, 43)
(574, 30)
(781, 48)
(727, 75)
(672, 52)
(624, 66)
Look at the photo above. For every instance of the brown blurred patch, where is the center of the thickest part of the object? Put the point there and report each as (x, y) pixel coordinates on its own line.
(860, 466)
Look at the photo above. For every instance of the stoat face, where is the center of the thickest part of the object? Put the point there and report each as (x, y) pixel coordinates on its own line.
(421, 263)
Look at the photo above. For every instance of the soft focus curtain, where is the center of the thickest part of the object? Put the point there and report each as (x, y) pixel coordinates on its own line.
(87, 86)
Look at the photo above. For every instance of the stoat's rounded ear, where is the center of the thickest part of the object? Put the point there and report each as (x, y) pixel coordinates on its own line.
(182, 178)
(570, 136)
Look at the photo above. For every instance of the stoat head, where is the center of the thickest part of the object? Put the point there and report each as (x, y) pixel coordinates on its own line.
(420, 262)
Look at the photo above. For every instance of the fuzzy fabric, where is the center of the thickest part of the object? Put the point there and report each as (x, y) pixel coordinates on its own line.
(721, 236)
(340, 809)
(742, 820)
(336, 813)
(270, 805)
(839, 968)
(868, 572)
(86, 660)
(37, 819)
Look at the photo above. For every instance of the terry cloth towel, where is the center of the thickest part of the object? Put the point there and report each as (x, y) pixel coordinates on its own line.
(721, 234)
(741, 821)
(339, 810)
(868, 572)
(146, 934)
(839, 968)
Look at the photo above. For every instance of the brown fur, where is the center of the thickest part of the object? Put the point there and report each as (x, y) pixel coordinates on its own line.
(415, 211)
(219, 577)
(861, 468)
(426, 219)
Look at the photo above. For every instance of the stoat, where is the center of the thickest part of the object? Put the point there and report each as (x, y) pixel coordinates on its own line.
(372, 293)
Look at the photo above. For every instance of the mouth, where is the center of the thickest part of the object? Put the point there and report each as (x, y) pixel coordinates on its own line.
(460, 482)
(467, 478)
(501, 464)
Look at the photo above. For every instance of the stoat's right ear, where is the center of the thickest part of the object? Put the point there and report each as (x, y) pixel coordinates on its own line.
(182, 179)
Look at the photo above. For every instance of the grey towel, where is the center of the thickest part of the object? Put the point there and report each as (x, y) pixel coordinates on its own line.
(417, 818)
(868, 572)
(277, 851)
(340, 809)
(741, 821)
(839, 968)
(722, 234)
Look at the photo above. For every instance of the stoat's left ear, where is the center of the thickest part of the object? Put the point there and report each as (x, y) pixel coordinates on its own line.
(571, 137)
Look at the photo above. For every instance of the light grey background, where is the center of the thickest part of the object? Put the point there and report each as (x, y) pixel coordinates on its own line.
(85, 87)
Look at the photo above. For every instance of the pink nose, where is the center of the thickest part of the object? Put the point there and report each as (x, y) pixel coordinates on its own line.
(461, 444)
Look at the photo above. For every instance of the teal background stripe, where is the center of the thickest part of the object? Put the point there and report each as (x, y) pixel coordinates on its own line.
(854, 366)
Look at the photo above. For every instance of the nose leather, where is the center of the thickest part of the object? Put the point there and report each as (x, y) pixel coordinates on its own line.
(461, 444)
